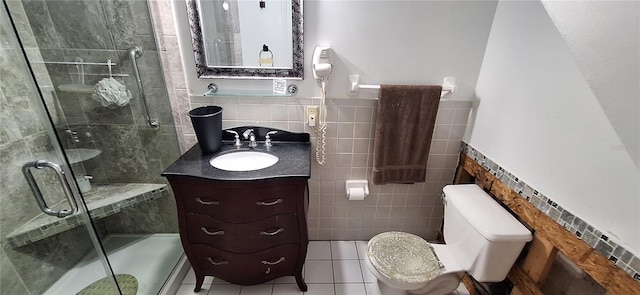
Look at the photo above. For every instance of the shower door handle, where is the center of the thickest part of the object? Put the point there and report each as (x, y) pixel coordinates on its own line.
(41, 164)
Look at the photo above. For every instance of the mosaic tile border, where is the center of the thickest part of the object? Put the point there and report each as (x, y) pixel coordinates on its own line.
(52, 226)
(623, 258)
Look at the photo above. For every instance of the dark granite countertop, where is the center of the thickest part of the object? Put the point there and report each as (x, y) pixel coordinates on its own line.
(294, 161)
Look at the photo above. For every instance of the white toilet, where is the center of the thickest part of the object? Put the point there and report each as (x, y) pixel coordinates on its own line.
(482, 238)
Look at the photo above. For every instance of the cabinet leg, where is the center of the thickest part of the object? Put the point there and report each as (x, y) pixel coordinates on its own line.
(301, 284)
(199, 281)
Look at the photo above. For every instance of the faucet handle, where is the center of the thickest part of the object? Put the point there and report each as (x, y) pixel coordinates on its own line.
(237, 142)
(267, 138)
(246, 133)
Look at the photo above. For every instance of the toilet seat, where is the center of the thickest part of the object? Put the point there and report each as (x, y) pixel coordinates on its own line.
(404, 258)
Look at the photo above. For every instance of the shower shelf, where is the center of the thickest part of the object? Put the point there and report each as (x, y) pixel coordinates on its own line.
(102, 201)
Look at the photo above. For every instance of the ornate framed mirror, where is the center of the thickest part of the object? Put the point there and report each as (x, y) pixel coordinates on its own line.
(247, 39)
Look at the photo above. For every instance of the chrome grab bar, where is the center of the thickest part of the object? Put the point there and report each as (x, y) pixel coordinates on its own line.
(134, 54)
(40, 164)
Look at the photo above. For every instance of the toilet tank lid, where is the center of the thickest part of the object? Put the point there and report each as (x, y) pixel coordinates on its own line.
(485, 214)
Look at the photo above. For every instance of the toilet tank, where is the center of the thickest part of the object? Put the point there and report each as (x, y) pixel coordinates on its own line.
(484, 238)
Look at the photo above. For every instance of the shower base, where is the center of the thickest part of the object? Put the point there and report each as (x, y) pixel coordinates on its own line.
(149, 258)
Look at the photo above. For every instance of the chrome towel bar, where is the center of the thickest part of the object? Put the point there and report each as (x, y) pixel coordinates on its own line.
(448, 86)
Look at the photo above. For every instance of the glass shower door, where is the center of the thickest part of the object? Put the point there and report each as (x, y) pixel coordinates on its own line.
(98, 69)
(49, 243)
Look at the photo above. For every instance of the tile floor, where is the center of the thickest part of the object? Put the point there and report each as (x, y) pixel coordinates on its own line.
(331, 268)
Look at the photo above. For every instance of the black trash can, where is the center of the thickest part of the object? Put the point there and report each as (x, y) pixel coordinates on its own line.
(207, 123)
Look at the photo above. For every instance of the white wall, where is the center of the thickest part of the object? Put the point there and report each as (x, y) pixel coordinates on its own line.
(402, 42)
(537, 117)
(605, 41)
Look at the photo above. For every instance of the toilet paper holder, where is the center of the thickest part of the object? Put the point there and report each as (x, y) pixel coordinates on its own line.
(357, 184)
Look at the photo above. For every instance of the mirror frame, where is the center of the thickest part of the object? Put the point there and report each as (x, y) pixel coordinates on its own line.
(204, 72)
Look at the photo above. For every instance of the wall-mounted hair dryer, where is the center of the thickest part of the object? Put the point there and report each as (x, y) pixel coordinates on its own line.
(322, 63)
(322, 67)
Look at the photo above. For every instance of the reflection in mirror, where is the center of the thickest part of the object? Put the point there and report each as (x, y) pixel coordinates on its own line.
(241, 33)
(247, 39)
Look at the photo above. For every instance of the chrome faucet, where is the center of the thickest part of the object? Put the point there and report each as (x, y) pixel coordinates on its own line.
(237, 142)
(267, 138)
(248, 134)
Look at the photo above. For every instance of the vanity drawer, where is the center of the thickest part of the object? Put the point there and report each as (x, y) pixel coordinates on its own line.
(243, 237)
(247, 269)
(241, 202)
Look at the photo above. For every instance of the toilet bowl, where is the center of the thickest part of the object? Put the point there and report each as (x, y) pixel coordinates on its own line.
(407, 264)
(482, 238)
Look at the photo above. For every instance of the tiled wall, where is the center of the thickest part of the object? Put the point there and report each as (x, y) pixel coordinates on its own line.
(618, 254)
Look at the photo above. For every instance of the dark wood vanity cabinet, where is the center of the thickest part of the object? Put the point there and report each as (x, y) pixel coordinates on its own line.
(244, 232)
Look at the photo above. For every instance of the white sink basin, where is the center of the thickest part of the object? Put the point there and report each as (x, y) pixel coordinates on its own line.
(243, 161)
(79, 155)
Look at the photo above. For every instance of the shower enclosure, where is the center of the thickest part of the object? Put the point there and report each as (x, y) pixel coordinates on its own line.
(82, 203)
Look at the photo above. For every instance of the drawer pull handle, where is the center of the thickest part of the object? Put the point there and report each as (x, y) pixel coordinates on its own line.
(203, 202)
(273, 233)
(217, 263)
(215, 233)
(273, 263)
(278, 201)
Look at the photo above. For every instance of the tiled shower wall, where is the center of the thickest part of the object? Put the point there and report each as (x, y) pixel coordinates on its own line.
(132, 152)
(109, 30)
(412, 208)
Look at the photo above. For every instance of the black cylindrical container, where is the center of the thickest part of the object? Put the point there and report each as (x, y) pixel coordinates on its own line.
(207, 123)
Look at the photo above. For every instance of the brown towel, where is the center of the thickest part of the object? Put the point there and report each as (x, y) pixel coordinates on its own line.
(404, 127)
